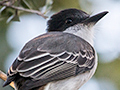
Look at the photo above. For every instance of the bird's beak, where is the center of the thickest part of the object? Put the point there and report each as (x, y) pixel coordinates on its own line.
(94, 19)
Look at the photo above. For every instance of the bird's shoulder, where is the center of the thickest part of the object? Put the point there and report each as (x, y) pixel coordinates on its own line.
(55, 42)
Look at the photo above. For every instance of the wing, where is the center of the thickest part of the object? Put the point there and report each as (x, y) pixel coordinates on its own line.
(53, 56)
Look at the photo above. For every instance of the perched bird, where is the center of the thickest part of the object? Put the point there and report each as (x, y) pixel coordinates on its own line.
(61, 59)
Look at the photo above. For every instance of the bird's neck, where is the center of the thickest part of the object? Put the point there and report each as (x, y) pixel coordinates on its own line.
(85, 32)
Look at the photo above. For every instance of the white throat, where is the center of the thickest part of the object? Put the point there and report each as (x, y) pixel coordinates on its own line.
(83, 31)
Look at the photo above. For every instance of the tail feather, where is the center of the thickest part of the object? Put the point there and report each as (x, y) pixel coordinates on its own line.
(8, 81)
(24, 83)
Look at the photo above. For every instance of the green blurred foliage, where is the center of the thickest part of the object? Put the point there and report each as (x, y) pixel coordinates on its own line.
(4, 49)
(60, 4)
(33, 4)
(8, 13)
(109, 71)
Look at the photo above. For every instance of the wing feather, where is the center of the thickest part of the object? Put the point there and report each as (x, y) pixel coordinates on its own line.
(44, 59)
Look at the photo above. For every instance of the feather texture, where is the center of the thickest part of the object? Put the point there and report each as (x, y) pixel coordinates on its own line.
(44, 59)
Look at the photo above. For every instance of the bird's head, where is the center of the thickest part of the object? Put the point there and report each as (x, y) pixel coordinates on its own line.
(76, 22)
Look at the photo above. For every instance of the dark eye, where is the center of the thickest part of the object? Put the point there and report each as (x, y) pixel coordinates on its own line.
(68, 21)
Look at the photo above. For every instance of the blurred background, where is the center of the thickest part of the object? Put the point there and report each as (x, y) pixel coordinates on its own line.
(14, 35)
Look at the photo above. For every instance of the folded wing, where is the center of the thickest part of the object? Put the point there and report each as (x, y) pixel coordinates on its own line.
(51, 57)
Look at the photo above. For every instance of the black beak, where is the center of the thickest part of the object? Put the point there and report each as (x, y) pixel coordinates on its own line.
(94, 19)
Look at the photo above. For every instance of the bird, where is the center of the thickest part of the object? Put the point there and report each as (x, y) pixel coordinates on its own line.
(63, 58)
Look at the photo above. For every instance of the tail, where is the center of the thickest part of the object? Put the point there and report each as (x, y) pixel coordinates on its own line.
(9, 80)
(21, 83)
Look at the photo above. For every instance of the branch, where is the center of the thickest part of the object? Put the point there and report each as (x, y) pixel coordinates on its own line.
(3, 76)
(22, 9)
